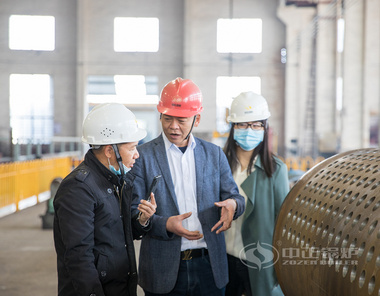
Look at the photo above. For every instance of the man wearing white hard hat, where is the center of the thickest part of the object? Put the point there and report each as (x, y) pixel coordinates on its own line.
(93, 226)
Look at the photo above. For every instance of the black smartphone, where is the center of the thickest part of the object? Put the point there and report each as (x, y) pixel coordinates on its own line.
(152, 186)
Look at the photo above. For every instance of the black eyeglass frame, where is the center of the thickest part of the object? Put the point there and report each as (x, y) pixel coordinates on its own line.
(250, 125)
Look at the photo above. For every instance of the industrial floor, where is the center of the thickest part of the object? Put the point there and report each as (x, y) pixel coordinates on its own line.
(27, 255)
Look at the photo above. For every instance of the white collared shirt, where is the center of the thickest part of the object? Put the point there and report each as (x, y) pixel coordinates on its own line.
(182, 170)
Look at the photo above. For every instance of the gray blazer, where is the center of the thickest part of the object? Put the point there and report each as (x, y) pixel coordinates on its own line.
(160, 250)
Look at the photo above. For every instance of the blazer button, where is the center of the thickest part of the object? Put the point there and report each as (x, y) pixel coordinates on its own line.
(103, 273)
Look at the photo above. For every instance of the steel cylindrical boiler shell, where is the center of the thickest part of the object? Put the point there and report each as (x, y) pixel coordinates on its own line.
(328, 230)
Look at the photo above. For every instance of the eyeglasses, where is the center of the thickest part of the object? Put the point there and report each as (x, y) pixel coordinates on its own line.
(254, 125)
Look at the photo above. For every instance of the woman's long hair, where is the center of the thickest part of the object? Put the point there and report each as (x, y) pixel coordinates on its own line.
(262, 149)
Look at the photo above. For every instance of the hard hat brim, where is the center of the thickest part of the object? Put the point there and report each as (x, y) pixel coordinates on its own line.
(178, 112)
(248, 118)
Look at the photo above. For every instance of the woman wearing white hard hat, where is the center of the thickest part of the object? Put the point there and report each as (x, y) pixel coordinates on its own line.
(262, 179)
(93, 226)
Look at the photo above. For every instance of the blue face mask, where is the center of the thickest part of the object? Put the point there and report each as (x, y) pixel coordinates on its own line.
(118, 172)
(248, 139)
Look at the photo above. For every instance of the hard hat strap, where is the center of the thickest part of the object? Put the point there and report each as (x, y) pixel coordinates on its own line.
(118, 158)
(192, 125)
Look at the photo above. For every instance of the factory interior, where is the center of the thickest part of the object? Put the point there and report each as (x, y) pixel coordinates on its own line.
(316, 62)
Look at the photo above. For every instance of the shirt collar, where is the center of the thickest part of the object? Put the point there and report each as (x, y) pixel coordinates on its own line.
(169, 144)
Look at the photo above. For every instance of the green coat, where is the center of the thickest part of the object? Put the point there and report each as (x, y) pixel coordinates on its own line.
(265, 196)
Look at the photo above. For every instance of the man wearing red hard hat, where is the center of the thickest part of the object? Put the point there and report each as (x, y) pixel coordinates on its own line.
(197, 198)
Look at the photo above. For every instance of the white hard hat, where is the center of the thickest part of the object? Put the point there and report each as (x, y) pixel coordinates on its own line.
(248, 106)
(111, 123)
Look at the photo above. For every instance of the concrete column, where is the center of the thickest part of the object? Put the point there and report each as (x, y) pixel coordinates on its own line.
(326, 79)
(352, 119)
(202, 63)
(298, 44)
(82, 33)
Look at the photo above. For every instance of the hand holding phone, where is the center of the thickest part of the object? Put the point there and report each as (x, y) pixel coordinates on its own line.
(152, 187)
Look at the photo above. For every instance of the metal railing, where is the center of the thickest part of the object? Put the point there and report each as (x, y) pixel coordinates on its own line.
(303, 164)
(28, 150)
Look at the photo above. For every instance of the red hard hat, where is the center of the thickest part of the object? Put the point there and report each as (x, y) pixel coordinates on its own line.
(180, 98)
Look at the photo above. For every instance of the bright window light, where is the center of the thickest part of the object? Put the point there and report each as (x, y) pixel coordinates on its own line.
(31, 108)
(32, 32)
(124, 89)
(133, 34)
(228, 88)
(340, 35)
(239, 35)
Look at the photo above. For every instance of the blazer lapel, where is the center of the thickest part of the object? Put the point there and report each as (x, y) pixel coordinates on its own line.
(199, 158)
(162, 160)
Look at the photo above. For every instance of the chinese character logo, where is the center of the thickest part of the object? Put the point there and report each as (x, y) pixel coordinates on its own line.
(258, 255)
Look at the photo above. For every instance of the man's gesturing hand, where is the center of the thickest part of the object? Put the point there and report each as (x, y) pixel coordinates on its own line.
(228, 211)
(174, 225)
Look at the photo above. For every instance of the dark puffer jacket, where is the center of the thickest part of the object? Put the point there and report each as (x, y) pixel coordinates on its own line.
(94, 231)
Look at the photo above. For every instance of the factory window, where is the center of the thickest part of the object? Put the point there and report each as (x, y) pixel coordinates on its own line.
(133, 34)
(124, 89)
(31, 108)
(340, 35)
(239, 35)
(226, 89)
(31, 32)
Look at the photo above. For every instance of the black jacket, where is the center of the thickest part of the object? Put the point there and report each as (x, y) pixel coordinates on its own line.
(94, 231)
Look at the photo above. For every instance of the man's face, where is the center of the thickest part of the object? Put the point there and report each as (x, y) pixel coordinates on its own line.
(128, 153)
(176, 129)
